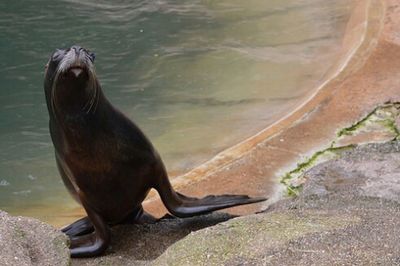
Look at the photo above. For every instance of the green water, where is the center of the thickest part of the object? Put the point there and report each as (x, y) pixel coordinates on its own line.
(197, 76)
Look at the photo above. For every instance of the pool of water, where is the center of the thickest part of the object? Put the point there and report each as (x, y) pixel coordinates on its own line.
(197, 76)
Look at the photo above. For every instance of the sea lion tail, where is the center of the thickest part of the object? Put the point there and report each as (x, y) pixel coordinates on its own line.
(183, 206)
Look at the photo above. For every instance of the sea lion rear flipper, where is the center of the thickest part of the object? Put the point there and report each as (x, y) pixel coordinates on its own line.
(183, 206)
(139, 216)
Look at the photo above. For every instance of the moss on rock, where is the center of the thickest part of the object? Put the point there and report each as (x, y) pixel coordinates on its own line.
(378, 125)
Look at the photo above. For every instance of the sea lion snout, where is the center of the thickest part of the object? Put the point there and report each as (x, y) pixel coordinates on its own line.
(80, 50)
(76, 62)
(76, 48)
(70, 63)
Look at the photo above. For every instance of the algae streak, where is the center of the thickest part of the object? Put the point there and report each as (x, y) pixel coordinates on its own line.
(379, 125)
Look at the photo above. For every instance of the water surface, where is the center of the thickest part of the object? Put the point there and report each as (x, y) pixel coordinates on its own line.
(197, 76)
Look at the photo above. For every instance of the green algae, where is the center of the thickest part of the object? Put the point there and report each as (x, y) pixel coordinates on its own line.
(356, 126)
(318, 157)
(382, 118)
(385, 115)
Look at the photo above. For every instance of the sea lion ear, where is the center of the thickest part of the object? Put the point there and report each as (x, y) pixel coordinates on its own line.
(92, 56)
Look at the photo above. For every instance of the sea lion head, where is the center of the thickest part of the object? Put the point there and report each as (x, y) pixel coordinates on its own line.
(70, 81)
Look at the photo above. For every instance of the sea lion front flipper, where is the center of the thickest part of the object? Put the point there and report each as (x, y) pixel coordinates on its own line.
(80, 227)
(92, 244)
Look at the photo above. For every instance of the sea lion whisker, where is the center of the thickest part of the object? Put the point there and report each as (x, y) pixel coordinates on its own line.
(88, 104)
(96, 88)
(97, 102)
(53, 98)
(92, 99)
(97, 96)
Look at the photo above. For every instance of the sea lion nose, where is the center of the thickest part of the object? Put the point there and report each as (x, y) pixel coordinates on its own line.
(76, 48)
(76, 71)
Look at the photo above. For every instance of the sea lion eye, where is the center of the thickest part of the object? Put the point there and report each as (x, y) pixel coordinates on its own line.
(57, 55)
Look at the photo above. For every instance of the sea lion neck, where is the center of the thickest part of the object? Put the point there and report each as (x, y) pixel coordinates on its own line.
(74, 96)
(77, 107)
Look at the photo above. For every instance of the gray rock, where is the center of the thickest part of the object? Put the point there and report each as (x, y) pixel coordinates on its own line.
(371, 170)
(141, 244)
(27, 241)
(348, 214)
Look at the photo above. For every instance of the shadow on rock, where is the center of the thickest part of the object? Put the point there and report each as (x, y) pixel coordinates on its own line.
(140, 244)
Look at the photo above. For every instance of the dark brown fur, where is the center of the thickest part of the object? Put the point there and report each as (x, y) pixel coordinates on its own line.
(106, 162)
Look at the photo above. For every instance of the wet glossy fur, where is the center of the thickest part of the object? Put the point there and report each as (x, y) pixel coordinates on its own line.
(105, 161)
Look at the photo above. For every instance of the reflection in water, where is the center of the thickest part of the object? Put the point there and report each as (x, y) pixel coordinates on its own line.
(197, 76)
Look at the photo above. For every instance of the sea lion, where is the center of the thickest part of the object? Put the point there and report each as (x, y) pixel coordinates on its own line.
(105, 161)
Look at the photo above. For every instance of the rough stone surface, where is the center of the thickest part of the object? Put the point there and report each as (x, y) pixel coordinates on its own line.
(141, 244)
(372, 170)
(347, 214)
(27, 241)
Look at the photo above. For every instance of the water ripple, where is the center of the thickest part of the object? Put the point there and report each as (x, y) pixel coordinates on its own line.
(180, 68)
